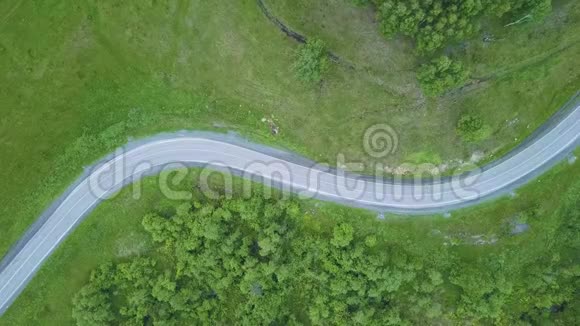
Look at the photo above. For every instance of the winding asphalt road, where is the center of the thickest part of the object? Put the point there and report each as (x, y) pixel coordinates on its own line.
(546, 147)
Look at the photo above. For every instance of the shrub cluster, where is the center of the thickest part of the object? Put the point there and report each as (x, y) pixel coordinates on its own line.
(472, 128)
(312, 61)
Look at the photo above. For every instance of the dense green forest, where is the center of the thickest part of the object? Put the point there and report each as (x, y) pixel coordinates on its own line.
(435, 23)
(268, 261)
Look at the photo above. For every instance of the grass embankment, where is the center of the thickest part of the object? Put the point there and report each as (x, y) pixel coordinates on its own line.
(79, 78)
(114, 232)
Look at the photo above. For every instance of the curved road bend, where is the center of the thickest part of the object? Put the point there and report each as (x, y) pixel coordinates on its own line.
(535, 156)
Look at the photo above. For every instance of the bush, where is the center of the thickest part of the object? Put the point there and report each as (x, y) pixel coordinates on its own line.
(441, 75)
(472, 128)
(312, 61)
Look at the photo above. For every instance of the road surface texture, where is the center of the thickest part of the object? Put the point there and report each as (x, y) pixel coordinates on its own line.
(553, 142)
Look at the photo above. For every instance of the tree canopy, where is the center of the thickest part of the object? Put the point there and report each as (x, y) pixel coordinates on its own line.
(263, 262)
(435, 23)
(441, 75)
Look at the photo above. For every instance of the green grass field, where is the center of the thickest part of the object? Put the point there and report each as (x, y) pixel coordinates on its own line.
(527, 73)
(114, 232)
(79, 78)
